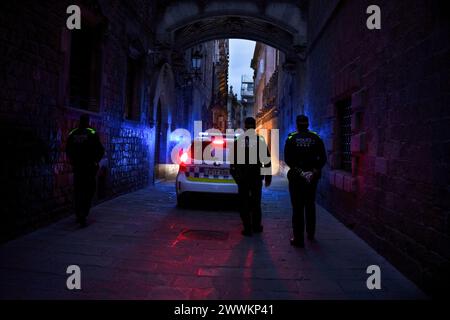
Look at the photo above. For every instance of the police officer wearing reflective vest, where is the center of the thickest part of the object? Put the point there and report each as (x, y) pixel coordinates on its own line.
(305, 155)
(249, 169)
(84, 151)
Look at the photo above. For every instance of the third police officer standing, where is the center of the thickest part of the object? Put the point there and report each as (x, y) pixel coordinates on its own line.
(305, 155)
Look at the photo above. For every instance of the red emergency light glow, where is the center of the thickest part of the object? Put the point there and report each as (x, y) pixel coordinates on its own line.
(184, 158)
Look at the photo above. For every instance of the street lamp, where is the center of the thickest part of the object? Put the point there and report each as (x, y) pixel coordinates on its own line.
(196, 61)
(194, 71)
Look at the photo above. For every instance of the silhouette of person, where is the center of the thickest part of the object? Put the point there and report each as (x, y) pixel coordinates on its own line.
(84, 151)
(305, 155)
(247, 174)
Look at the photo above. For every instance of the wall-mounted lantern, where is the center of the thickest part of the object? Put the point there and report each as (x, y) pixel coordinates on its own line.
(196, 61)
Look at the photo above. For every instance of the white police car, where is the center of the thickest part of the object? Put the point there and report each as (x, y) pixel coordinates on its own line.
(205, 169)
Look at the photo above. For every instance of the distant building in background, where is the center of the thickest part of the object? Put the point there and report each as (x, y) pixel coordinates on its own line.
(247, 96)
(278, 96)
(266, 65)
(235, 111)
(217, 111)
(203, 85)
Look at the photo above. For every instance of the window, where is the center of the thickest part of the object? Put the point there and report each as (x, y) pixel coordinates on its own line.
(344, 115)
(261, 66)
(85, 68)
(132, 96)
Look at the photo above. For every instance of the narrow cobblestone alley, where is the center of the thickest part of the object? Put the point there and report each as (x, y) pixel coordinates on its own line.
(140, 246)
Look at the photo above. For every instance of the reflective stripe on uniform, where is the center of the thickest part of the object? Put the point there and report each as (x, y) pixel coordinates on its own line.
(90, 130)
(292, 134)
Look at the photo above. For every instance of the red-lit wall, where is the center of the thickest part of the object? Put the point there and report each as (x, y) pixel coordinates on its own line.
(397, 195)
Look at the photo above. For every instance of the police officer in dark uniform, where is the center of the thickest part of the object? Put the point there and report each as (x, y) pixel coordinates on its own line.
(249, 172)
(84, 151)
(305, 155)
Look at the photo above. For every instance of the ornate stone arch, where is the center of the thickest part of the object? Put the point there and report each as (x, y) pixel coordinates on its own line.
(280, 24)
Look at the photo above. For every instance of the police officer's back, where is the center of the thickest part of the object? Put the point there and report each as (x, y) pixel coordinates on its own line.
(84, 148)
(249, 170)
(305, 155)
(84, 151)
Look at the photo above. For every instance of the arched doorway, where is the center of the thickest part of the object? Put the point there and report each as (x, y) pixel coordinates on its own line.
(162, 159)
(162, 114)
(158, 142)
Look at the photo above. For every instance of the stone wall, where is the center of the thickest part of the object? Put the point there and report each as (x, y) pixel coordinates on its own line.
(396, 196)
(35, 118)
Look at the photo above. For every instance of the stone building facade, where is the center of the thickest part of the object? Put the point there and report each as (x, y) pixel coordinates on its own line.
(216, 116)
(266, 63)
(200, 91)
(235, 111)
(278, 95)
(380, 100)
(135, 91)
(44, 67)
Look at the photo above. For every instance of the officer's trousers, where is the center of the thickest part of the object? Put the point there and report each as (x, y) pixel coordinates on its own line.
(303, 199)
(84, 190)
(250, 202)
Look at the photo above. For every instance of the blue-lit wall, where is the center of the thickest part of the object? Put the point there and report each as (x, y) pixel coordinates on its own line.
(37, 180)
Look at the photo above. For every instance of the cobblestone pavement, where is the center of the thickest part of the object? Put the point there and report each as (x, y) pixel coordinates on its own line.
(140, 246)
